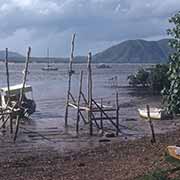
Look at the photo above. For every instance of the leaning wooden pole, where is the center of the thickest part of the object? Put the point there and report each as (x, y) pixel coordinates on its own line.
(153, 140)
(101, 114)
(90, 93)
(117, 114)
(70, 77)
(22, 92)
(7, 75)
(8, 92)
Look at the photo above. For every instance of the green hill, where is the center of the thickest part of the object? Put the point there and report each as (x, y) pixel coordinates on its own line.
(131, 51)
(11, 56)
(136, 51)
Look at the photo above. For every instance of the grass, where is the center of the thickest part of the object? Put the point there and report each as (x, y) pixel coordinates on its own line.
(160, 174)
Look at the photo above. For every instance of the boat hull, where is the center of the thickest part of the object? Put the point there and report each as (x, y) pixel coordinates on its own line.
(49, 69)
(172, 152)
(155, 114)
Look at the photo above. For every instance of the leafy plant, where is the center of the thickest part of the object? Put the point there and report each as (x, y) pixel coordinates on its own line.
(155, 78)
(140, 78)
(158, 77)
(172, 92)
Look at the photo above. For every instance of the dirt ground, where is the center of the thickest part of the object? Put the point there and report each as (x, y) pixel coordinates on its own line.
(50, 153)
(126, 160)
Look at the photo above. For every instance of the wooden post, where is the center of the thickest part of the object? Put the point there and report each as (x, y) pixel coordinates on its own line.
(7, 75)
(105, 114)
(90, 93)
(70, 77)
(22, 92)
(78, 102)
(117, 114)
(25, 75)
(8, 92)
(2, 117)
(153, 140)
(101, 114)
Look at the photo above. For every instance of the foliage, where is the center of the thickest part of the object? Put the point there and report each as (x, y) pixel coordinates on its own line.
(158, 77)
(154, 78)
(157, 175)
(140, 78)
(172, 92)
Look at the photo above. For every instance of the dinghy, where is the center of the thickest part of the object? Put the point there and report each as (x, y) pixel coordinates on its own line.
(155, 113)
(174, 151)
(28, 104)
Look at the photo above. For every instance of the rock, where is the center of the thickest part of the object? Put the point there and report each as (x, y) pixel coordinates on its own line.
(100, 132)
(109, 135)
(104, 140)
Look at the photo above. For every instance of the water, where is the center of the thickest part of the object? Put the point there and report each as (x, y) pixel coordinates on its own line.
(49, 93)
(50, 88)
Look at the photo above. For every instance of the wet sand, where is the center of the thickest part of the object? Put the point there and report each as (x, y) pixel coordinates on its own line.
(125, 160)
(53, 152)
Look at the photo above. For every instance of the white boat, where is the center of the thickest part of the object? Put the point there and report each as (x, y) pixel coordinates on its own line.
(28, 104)
(103, 66)
(49, 66)
(174, 151)
(155, 113)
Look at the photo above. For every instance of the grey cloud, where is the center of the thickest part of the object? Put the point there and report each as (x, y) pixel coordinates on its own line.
(96, 21)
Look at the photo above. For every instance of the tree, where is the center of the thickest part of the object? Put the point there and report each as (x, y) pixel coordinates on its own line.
(140, 78)
(158, 77)
(172, 92)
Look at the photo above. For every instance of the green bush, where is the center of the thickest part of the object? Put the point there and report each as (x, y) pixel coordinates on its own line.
(172, 92)
(155, 78)
(140, 78)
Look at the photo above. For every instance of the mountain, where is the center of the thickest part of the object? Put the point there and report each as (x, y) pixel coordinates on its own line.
(136, 51)
(131, 51)
(11, 55)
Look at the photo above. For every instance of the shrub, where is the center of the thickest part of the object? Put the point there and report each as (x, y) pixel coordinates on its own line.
(156, 78)
(172, 92)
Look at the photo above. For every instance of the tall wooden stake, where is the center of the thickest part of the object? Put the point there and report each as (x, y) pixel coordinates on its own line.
(117, 113)
(70, 77)
(78, 102)
(101, 114)
(7, 75)
(90, 93)
(8, 92)
(153, 140)
(22, 92)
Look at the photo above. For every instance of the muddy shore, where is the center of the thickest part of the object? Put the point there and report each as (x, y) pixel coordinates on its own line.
(52, 154)
(127, 160)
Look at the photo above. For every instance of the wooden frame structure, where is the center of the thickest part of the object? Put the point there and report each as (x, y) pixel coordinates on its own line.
(89, 105)
(13, 114)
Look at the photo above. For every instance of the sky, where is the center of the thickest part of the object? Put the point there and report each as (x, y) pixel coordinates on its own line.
(98, 24)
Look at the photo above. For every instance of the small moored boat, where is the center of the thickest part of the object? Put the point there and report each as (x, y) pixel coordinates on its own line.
(103, 66)
(28, 104)
(174, 151)
(155, 113)
(49, 66)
